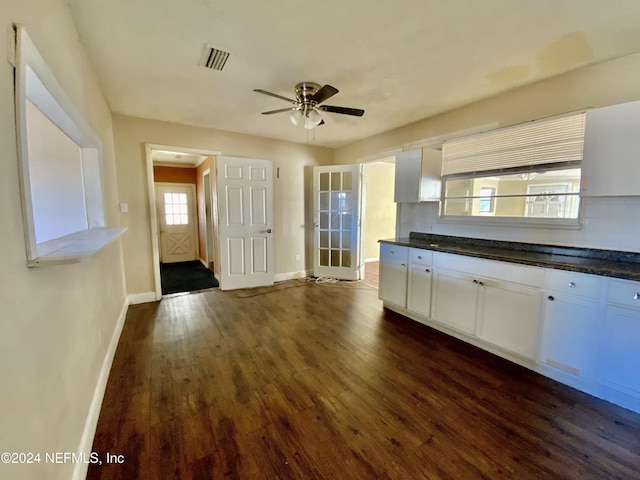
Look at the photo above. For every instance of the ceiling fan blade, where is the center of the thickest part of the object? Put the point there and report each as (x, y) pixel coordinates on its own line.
(264, 92)
(324, 93)
(270, 112)
(357, 112)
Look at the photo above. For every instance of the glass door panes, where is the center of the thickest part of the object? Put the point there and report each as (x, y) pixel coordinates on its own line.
(335, 219)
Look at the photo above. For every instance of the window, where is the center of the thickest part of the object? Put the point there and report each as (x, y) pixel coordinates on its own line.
(176, 209)
(59, 164)
(529, 172)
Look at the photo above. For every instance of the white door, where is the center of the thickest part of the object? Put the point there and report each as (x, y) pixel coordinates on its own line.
(336, 196)
(245, 204)
(176, 214)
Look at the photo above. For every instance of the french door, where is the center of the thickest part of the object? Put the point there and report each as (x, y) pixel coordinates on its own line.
(336, 199)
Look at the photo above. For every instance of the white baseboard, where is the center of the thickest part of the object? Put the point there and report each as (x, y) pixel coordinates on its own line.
(86, 442)
(145, 297)
(281, 277)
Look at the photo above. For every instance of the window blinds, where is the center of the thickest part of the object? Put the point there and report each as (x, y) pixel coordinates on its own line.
(542, 142)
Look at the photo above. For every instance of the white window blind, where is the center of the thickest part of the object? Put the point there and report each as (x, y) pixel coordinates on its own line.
(555, 140)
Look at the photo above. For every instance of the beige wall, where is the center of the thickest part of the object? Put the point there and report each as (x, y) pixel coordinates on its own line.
(292, 230)
(604, 84)
(50, 355)
(380, 209)
(608, 223)
(174, 174)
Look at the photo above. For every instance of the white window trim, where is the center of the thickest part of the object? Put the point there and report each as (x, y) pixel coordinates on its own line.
(36, 82)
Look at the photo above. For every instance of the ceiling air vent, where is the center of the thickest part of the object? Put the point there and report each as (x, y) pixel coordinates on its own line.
(214, 58)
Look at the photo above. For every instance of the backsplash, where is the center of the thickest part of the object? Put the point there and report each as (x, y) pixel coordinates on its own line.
(608, 223)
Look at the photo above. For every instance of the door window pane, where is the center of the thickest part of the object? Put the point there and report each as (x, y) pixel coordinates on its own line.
(324, 182)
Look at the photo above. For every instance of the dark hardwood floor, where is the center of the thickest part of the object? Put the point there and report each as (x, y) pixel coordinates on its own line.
(371, 274)
(319, 382)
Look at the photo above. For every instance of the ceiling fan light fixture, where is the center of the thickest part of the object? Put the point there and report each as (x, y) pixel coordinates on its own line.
(296, 117)
(313, 119)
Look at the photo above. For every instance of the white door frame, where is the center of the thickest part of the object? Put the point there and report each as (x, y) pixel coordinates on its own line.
(153, 213)
(208, 220)
(194, 216)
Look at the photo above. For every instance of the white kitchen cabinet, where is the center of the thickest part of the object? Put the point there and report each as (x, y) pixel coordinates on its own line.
(571, 308)
(569, 326)
(509, 316)
(455, 299)
(419, 282)
(612, 151)
(392, 284)
(418, 176)
(619, 338)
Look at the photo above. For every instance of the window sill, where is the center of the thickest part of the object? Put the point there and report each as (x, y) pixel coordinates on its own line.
(74, 248)
(489, 221)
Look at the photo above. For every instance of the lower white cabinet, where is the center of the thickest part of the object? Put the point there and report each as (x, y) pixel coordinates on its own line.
(619, 338)
(455, 299)
(619, 362)
(392, 283)
(568, 332)
(509, 316)
(581, 329)
(419, 282)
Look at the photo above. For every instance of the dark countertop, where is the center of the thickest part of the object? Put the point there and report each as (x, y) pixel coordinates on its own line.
(609, 263)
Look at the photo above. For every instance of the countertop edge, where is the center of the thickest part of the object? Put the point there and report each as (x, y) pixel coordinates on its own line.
(612, 269)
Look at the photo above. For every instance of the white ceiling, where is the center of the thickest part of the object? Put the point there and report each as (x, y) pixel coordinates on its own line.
(400, 60)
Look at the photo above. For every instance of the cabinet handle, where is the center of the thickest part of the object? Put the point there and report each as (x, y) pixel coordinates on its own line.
(636, 296)
(403, 265)
(391, 252)
(481, 284)
(419, 257)
(475, 281)
(571, 285)
(551, 297)
(427, 270)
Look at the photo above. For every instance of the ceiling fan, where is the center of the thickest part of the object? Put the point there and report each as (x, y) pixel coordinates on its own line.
(306, 107)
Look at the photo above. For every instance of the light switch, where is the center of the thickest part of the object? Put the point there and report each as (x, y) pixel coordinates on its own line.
(124, 208)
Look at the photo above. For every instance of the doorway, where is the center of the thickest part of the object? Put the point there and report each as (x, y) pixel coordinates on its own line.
(378, 213)
(182, 232)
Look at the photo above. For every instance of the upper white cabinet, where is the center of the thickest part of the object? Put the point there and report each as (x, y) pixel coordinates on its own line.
(392, 285)
(612, 151)
(418, 176)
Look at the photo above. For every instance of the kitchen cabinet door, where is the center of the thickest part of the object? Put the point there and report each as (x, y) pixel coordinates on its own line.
(509, 316)
(418, 176)
(569, 326)
(619, 339)
(419, 289)
(392, 284)
(455, 298)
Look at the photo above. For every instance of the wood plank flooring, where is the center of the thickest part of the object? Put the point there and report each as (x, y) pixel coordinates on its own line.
(310, 381)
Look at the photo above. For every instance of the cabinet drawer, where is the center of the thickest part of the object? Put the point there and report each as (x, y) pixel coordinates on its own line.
(624, 292)
(393, 253)
(421, 257)
(511, 272)
(573, 283)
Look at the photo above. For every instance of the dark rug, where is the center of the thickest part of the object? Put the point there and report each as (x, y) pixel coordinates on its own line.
(185, 277)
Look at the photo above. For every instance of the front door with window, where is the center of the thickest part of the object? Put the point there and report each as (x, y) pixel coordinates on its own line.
(178, 238)
(336, 191)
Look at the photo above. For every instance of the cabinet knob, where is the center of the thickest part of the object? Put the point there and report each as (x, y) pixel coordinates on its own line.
(475, 281)
(636, 296)
(551, 298)
(419, 257)
(403, 265)
(427, 270)
(391, 252)
(481, 284)
(571, 285)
